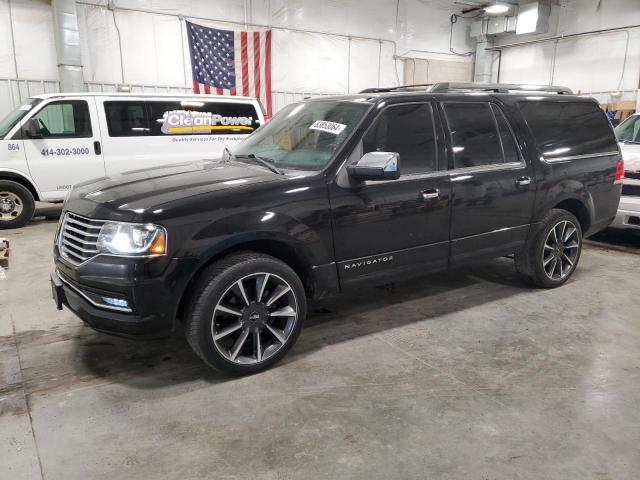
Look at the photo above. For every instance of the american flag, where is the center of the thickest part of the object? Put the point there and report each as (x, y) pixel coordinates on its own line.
(227, 62)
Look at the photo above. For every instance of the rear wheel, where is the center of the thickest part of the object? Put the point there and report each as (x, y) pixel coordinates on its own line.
(247, 312)
(16, 205)
(552, 252)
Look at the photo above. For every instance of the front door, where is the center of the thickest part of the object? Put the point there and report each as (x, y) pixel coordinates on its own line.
(68, 151)
(492, 185)
(396, 226)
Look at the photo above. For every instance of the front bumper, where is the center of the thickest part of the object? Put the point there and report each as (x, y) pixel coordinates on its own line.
(152, 289)
(628, 216)
(109, 321)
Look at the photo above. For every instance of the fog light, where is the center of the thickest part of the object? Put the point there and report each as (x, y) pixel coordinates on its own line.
(116, 302)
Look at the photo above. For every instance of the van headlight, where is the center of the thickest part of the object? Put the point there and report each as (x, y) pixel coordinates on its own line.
(136, 239)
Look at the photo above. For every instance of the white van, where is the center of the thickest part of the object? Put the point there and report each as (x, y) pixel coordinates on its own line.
(54, 141)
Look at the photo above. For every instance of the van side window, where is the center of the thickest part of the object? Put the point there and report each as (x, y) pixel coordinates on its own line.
(407, 130)
(563, 129)
(509, 146)
(126, 119)
(474, 137)
(65, 119)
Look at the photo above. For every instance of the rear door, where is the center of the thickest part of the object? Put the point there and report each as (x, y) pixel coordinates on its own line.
(145, 133)
(492, 184)
(69, 150)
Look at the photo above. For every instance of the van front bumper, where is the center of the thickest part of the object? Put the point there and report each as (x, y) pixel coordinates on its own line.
(628, 216)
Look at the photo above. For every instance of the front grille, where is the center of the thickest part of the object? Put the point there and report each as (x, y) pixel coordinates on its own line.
(634, 175)
(78, 238)
(633, 190)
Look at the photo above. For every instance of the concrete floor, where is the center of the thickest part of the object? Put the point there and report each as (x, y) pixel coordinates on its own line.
(469, 374)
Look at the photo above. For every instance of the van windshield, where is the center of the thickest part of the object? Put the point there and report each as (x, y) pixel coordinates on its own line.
(8, 122)
(629, 130)
(304, 136)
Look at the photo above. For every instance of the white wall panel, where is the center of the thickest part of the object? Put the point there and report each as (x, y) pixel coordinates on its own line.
(592, 63)
(99, 43)
(304, 62)
(364, 65)
(7, 68)
(33, 31)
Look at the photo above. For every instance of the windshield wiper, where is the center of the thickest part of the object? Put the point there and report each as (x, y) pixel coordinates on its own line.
(630, 141)
(262, 161)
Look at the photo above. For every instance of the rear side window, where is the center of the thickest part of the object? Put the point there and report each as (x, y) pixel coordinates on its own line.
(65, 119)
(189, 117)
(126, 119)
(474, 136)
(407, 130)
(564, 129)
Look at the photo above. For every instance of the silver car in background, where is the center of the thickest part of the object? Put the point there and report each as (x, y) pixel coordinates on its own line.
(628, 133)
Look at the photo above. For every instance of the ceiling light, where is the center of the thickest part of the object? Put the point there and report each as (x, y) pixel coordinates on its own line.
(496, 8)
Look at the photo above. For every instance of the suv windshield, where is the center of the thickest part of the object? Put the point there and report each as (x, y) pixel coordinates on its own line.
(8, 122)
(304, 136)
(629, 130)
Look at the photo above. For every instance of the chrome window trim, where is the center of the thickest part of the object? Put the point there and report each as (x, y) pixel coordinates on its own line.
(579, 157)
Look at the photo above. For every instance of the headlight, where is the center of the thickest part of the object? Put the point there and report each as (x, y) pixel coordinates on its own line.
(132, 239)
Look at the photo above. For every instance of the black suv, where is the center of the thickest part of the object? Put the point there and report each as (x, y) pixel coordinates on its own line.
(330, 194)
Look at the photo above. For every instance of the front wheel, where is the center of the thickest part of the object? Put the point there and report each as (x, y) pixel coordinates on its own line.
(16, 205)
(246, 313)
(552, 252)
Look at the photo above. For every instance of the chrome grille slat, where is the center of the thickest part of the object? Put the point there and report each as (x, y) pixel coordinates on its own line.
(78, 238)
(84, 250)
(86, 225)
(87, 234)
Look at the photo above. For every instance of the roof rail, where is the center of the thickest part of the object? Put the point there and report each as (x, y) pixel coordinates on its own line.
(498, 88)
(474, 87)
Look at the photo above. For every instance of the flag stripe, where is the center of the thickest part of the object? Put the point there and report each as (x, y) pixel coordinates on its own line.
(245, 65)
(196, 87)
(256, 63)
(267, 70)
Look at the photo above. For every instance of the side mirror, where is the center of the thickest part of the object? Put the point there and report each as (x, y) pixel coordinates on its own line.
(376, 166)
(32, 128)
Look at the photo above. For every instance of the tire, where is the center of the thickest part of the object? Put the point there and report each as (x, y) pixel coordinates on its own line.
(220, 309)
(548, 263)
(16, 205)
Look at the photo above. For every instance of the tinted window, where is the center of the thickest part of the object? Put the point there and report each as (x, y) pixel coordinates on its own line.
(568, 128)
(474, 136)
(65, 119)
(506, 137)
(126, 119)
(407, 130)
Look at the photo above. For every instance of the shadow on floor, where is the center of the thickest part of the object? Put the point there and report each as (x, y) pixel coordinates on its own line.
(161, 363)
(625, 240)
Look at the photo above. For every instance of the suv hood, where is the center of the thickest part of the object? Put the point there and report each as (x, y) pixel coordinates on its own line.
(140, 190)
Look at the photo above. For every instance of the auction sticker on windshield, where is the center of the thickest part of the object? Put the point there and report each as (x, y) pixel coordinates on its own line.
(326, 126)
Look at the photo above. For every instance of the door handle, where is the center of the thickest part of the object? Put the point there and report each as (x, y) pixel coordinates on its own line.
(523, 181)
(97, 148)
(429, 194)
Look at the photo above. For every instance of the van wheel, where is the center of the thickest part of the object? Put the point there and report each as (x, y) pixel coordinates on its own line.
(552, 252)
(246, 313)
(16, 205)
